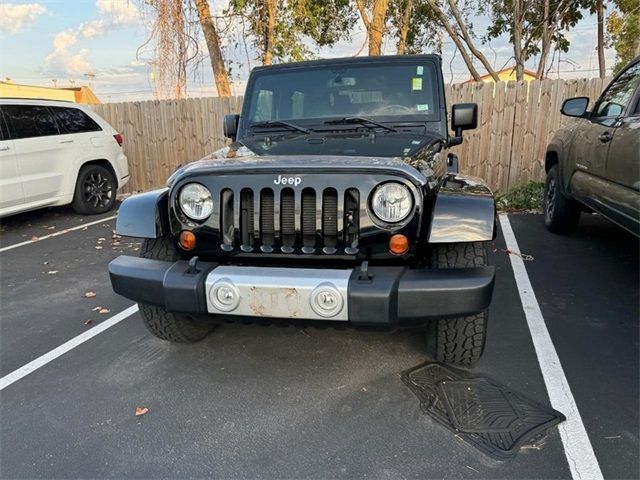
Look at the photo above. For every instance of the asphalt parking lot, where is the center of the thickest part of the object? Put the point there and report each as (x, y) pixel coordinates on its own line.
(268, 402)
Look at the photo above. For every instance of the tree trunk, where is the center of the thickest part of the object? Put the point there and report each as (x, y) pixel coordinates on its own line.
(181, 74)
(220, 73)
(454, 36)
(600, 13)
(374, 25)
(270, 31)
(546, 41)
(518, 53)
(404, 27)
(469, 41)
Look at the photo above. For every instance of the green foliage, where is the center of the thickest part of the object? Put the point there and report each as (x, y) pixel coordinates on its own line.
(523, 197)
(299, 24)
(623, 32)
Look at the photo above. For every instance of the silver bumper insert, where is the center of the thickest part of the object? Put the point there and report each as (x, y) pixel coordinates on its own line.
(303, 293)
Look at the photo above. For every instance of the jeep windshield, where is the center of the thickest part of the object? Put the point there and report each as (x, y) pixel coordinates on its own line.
(326, 96)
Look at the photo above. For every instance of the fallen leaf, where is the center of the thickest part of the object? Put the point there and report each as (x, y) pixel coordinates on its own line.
(88, 322)
(103, 310)
(96, 309)
(45, 263)
(141, 411)
(90, 294)
(51, 228)
(98, 247)
(101, 239)
(84, 228)
(52, 272)
(34, 238)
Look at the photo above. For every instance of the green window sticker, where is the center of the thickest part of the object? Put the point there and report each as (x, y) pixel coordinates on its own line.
(416, 83)
(423, 107)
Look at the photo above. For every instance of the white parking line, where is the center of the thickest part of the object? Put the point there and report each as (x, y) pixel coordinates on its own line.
(56, 234)
(577, 446)
(64, 348)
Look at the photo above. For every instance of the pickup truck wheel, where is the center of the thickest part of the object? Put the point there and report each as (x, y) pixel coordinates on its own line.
(458, 341)
(95, 190)
(561, 214)
(173, 327)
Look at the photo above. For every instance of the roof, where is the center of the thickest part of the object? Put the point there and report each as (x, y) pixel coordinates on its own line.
(508, 70)
(82, 94)
(39, 102)
(350, 61)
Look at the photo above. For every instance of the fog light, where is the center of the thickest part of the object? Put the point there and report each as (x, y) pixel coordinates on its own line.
(187, 240)
(326, 300)
(224, 295)
(398, 244)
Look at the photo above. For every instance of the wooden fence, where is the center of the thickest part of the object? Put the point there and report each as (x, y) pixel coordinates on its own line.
(516, 121)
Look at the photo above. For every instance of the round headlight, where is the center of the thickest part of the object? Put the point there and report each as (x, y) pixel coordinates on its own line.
(392, 202)
(196, 201)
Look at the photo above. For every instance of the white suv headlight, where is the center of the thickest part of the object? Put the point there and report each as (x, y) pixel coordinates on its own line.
(196, 201)
(392, 202)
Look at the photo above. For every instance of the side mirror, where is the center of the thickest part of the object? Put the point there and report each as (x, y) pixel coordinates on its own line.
(230, 126)
(464, 116)
(575, 107)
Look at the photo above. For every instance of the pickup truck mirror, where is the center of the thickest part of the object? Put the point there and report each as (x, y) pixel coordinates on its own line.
(230, 126)
(575, 107)
(464, 116)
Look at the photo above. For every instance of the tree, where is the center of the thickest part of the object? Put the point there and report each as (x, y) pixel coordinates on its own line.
(534, 27)
(280, 30)
(220, 74)
(374, 16)
(623, 31)
(599, 7)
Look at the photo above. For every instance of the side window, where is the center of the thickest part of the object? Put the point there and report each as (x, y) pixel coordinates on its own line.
(615, 101)
(27, 121)
(73, 120)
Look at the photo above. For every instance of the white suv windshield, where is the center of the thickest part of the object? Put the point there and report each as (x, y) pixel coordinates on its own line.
(335, 91)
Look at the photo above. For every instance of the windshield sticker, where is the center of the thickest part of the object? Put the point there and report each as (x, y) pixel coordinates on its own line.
(419, 70)
(405, 152)
(416, 83)
(416, 142)
(423, 107)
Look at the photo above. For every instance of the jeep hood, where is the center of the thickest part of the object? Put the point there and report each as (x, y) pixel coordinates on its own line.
(351, 153)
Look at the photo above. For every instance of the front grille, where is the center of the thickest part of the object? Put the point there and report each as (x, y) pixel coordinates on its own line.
(290, 221)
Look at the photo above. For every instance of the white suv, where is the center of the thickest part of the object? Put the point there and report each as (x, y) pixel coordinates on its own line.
(56, 153)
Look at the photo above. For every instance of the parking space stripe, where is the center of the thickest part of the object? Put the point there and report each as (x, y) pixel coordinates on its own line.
(64, 348)
(56, 234)
(577, 446)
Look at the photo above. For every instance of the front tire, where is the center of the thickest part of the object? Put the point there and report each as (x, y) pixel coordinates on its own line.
(172, 327)
(458, 341)
(95, 190)
(561, 214)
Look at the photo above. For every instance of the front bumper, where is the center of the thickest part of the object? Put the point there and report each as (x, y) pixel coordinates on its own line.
(375, 296)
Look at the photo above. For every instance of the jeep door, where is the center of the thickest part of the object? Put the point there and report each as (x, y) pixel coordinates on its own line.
(10, 182)
(40, 151)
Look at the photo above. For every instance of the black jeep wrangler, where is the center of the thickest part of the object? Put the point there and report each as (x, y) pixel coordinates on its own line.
(338, 203)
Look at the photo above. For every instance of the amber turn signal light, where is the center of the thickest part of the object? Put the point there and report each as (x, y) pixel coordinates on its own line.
(187, 240)
(398, 244)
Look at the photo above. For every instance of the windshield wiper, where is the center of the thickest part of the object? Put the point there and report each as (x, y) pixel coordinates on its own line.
(361, 120)
(279, 123)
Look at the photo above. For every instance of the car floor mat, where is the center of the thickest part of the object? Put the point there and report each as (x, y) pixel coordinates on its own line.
(482, 412)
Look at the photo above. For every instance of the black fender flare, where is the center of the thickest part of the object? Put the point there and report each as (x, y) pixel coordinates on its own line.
(464, 211)
(144, 215)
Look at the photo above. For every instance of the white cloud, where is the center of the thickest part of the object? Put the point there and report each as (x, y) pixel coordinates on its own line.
(62, 60)
(15, 18)
(113, 13)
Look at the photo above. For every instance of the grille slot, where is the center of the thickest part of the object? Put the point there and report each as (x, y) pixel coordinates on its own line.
(308, 217)
(226, 218)
(267, 228)
(246, 217)
(330, 217)
(288, 217)
(351, 217)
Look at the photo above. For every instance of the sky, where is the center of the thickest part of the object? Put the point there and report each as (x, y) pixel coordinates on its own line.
(95, 42)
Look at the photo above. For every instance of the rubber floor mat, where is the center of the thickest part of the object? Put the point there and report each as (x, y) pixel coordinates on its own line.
(481, 411)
